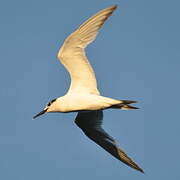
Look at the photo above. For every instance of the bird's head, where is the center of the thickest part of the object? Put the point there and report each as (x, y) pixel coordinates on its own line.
(49, 108)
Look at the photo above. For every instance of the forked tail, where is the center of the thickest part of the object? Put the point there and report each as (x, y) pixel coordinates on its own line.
(124, 105)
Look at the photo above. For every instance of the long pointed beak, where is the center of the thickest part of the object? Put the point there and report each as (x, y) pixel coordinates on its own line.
(39, 114)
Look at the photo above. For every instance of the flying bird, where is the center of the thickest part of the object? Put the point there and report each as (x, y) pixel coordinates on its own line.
(83, 95)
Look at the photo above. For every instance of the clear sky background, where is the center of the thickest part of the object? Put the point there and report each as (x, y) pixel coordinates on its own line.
(136, 56)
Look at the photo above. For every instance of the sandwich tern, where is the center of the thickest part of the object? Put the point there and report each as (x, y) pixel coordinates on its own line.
(83, 95)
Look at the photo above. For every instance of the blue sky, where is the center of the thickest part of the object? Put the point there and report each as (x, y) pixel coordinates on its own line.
(135, 56)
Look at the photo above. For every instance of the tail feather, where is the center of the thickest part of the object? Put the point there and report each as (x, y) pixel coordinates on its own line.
(124, 105)
(128, 101)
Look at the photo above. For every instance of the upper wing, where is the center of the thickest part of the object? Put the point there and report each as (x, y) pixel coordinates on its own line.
(72, 54)
(90, 123)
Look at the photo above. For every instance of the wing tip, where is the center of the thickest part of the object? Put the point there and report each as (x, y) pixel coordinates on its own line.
(141, 170)
(115, 6)
(112, 8)
(133, 165)
(128, 161)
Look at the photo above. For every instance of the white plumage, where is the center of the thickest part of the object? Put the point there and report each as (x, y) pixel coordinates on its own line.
(83, 95)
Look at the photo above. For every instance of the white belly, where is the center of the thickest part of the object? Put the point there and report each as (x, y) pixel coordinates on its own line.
(77, 102)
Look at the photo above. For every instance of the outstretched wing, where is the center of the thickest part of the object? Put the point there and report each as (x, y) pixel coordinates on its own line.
(72, 54)
(90, 123)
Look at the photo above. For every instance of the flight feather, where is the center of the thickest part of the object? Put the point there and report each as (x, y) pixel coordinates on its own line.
(90, 123)
(72, 54)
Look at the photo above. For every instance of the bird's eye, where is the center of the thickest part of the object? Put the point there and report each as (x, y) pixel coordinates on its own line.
(51, 102)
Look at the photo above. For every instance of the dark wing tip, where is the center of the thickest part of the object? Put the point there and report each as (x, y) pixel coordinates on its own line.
(139, 169)
(122, 156)
(115, 6)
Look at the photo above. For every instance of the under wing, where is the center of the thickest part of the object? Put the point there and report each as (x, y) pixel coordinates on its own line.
(90, 123)
(72, 53)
